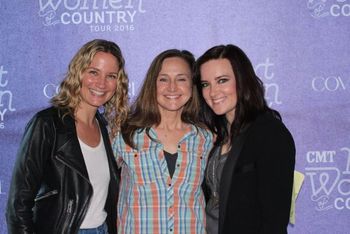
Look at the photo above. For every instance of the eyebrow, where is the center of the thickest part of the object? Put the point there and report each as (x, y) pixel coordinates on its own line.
(217, 78)
(94, 68)
(181, 75)
(222, 76)
(187, 75)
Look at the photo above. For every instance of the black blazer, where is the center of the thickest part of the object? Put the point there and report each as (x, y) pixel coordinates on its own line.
(50, 189)
(256, 183)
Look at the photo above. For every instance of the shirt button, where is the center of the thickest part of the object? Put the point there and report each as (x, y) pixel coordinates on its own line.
(171, 229)
(169, 185)
(179, 146)
(135, 155)
(178, 165)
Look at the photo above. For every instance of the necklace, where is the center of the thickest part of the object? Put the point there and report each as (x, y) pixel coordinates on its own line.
(214, 175)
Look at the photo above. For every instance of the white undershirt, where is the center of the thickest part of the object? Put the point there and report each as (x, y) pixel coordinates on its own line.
(97, 166)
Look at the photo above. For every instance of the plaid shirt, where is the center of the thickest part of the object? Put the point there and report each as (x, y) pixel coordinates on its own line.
(150, 201)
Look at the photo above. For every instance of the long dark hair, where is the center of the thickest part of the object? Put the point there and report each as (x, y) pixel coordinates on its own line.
(250, 93)
(144, 112)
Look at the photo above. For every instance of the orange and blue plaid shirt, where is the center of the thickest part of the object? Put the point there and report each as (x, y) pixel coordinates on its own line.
(150, 201)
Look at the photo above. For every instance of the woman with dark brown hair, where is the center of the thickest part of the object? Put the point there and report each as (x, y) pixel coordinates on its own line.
(162, 151)
(249, 176)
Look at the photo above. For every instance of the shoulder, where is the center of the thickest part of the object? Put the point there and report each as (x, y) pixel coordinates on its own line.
(204, 132)
(44, 116)
(204, 138)
(267, 124)
(55, 117)
(269, 131)
(53, 113)
(118, 138)
(140, 137)
(47, 113)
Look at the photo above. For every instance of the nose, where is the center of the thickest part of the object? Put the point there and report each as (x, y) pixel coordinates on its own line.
(212, 90)
(101, 81)
(172, 86)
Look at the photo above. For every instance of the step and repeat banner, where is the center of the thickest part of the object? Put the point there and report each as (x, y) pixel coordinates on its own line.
(300, 49)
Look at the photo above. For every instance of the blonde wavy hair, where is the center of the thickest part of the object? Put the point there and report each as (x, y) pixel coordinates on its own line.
(68, 97)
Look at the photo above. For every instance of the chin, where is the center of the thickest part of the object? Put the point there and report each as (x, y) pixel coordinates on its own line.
(219, 112)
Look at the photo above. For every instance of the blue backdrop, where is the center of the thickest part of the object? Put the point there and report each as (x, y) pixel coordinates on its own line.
(300, 49)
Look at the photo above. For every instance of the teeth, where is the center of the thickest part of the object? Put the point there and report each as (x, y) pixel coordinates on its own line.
(217, 100)
(98, 93)
(172, 97)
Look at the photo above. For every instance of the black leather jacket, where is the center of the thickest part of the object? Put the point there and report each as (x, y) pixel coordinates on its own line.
(50, 190)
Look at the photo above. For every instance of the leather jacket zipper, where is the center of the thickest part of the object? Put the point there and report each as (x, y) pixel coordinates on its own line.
(70, 206)
(48, 194)
(69, 209)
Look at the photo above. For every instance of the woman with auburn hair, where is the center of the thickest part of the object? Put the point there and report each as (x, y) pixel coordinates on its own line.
(249, 175)
(162, 151)
(65, 179)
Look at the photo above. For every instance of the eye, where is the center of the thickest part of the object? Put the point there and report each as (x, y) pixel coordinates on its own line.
(204, 84)
(112, 77)
(93, 72)
(182, 78)
(222, 80)
(162, 78)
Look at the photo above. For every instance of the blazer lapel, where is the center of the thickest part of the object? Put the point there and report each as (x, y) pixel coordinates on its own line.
(227, 172)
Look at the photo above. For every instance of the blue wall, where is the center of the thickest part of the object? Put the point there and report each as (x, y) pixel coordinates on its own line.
(300, 49)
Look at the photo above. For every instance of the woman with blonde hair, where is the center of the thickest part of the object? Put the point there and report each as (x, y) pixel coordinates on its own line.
(65, 179)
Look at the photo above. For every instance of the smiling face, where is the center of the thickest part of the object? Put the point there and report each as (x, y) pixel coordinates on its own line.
(219, 87)
(174, 85)
(99, 81)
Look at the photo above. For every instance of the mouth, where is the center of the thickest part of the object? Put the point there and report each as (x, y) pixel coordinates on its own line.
(172, 96)
(97, 93)
(218, 100)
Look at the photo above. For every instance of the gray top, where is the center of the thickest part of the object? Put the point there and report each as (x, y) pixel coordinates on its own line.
(213, 175)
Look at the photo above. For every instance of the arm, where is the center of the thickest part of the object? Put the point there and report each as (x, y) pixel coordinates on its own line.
(275, 167)
(27, 175)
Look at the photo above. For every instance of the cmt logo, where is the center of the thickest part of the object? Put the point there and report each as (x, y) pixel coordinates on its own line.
(320, 156)
(330, 184)
(334, 8)
(331, 83)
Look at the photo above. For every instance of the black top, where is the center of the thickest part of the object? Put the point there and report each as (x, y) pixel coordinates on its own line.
(171, 162)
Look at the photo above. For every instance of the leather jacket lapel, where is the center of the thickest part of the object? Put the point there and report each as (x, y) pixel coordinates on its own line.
(67, 146)
(105, 138)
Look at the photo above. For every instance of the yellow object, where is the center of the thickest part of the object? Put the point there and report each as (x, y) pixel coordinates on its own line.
(298, 181)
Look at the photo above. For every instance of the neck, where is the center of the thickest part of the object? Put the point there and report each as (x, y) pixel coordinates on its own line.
(171, 121)
(85, 116)
(230, 117)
